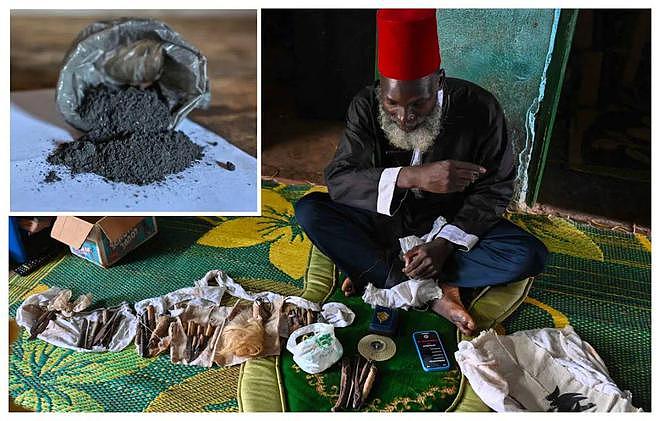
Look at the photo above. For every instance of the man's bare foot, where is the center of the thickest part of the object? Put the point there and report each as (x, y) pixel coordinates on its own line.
(451, 308)
(347, 287)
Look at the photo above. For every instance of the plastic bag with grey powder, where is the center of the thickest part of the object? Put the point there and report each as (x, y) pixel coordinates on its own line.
(133, 52)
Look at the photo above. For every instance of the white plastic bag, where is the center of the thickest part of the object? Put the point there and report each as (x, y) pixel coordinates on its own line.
(318, 351)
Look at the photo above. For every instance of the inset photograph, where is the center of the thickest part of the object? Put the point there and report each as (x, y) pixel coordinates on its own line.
(133, 111)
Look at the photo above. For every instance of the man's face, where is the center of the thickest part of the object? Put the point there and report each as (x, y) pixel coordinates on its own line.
(409, 102)
(409, 113)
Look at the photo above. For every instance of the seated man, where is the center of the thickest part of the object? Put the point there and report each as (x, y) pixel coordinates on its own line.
(420, 148)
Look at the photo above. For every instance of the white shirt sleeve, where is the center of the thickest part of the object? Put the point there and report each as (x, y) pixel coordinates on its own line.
(459, 237)
(386, 186)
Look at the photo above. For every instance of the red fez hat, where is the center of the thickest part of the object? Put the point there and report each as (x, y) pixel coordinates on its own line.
(407, 43)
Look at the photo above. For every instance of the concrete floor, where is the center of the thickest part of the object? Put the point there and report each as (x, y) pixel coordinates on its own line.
(298, 149)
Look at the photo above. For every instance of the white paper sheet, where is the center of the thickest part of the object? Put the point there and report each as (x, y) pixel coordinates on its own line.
(37, 128)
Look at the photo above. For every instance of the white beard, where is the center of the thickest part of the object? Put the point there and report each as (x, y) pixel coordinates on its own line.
(421, 138)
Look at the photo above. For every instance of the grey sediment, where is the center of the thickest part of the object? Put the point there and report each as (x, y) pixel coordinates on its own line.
(130, 140)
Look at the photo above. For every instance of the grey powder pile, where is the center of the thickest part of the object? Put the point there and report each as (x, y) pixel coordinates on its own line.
(129, 141)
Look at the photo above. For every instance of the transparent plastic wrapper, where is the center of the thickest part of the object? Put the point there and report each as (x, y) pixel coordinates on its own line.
(133, 52)
(318, 349)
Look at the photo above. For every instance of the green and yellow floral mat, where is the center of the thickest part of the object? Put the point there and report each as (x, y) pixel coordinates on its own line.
(597, 280)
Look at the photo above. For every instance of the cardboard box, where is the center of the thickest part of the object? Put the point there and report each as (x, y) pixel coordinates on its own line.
(103, 240)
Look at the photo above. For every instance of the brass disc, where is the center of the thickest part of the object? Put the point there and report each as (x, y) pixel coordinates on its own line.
(376, 347)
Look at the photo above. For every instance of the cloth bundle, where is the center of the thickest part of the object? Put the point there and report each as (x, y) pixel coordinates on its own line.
(412, 293)
(51, 316)
(548, 369)
(190, 323)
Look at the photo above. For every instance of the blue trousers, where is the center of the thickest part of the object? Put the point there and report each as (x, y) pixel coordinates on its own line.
(365, 247)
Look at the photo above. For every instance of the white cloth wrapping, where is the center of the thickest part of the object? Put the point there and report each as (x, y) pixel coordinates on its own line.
(65, 331)
(336, 314)
(201, 302)
(540, 370)
(412, 293)
(407, 294)
(175, 302)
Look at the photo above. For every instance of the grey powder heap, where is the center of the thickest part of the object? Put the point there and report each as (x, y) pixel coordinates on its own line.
(129, 141)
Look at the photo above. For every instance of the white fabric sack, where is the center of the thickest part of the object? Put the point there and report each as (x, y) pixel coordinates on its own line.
(65, 331)
(337, 314)
(317, 352)
(412, 293)
(540, 370)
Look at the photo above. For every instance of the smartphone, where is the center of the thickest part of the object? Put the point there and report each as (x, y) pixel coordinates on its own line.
(431, 353)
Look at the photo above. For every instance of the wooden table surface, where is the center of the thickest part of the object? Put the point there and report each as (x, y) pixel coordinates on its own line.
(229, 40)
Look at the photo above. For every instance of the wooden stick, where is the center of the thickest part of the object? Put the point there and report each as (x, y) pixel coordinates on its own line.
(343, 385)
(108, 319)
(110, 333)
(189, 336)
(357, 390)
(92, 333)
(368, 384)
(144, 340)
(151, 317)
(42, 323)
(364, 372)
(83, 333)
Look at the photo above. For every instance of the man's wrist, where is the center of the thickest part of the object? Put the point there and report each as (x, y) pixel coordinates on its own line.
(448, 244)
(407, 178)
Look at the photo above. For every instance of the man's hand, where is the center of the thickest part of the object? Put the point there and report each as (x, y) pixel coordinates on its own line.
(440, 177)
(426, 260)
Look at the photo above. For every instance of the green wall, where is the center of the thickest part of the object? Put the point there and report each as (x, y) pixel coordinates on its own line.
(506, 51)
